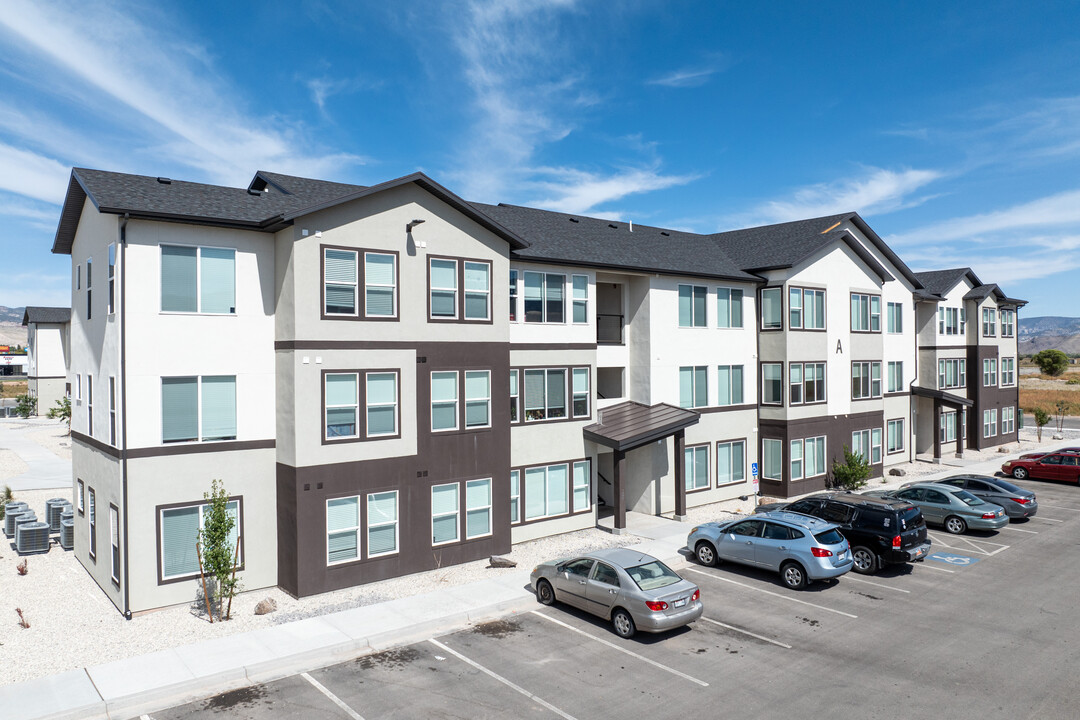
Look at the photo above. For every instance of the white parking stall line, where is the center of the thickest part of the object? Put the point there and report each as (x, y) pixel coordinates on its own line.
(970, 545)
(934, 567)
(769, 592)
(1060, 507)
(1029, 532)
(746, 632)
(1046, 519)
(333, 698)
(847, 578)
(503, 680)
(613, 646)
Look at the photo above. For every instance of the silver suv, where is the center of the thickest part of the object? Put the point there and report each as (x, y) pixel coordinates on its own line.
(800, 547)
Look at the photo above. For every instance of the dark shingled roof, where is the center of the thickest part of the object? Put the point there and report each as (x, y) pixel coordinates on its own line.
(46, 315)
(630, 424)
(318, 190)
(940, 282)
(778, 246)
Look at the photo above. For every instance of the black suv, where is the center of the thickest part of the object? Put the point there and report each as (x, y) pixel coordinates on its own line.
(880, 530)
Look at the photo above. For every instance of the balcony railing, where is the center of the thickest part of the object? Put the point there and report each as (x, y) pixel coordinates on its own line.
(609, 329)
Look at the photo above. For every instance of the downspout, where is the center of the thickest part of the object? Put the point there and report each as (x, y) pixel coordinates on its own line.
(123, 406)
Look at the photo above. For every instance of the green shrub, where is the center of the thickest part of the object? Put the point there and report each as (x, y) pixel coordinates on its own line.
(851, 474)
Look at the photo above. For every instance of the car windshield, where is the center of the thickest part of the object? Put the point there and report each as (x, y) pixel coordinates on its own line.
(653, 575)
(829, 537)
(968, 498)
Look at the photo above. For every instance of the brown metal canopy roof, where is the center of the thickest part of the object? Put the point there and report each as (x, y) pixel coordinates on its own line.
(941, 395)
(630, 424)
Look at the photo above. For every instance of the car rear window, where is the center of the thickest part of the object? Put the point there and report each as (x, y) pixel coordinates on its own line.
(653, 575)
(829, 537)
(968, 498)
(1009, 487)
(911, 517)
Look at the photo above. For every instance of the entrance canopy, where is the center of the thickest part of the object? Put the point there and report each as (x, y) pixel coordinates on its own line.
(942, 395)
(630, 424)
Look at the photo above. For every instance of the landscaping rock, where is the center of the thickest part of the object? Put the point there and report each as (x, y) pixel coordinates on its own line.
(1003, 449)
(266, 606)
(899, 472)
(497, 561)
(1059, 436)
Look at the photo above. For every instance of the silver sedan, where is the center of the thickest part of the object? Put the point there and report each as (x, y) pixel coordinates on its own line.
(633, 590)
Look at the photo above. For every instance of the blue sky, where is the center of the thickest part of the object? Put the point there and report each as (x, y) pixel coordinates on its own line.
(952, 127)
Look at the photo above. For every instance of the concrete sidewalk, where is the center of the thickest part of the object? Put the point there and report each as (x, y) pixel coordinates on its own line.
(46, 469)
(142, 684)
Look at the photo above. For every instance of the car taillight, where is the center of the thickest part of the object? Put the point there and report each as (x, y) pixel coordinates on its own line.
(989, 516)
(656, 605)
(1022, 501)
(696, 596)
(896, 541)
(821, 552)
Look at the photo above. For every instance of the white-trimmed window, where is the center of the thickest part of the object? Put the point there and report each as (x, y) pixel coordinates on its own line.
(380, 285)
(78, 387)
(806, 309)
(795, 384)
(546, 491)
(580, 309)
(545, 297)
(477, 508)
(772, 459)
(339, 281)
(90, 405)
(477, 290)
(730, 462)
(729, 307)
(772, 308)
(693, 386)
(729, 385)
(814, 456)
(989, 423)
(515, 497)
(91, 519)
(1008, 420)
(867, 443)
(813, 382)
(947, 427)
(198, 407)
(895, 432)
(692, 305)
(444, 514)
(865, 313)
(796, 459)
(114, 543)
(582, 485)
(112, 278)
(444, 401)
(514, 397)
(545, 394)
(865, 380)
(112, 411)
(696, 467)
(342, 403)
(78, 276)
(342, 530)
(952, 321)
(443, 287)
(1008, 372)
(513, 295)
(894, 318)
(772, 384)
(381, 399)
(580, 392)
(382, 523)
(990, 372)
(896, 376)
(197, 280)
(1008, 322)
(89, 288)
(180, 531)
(989, 322)
(80, 499)
(477, 398)
(952, 373)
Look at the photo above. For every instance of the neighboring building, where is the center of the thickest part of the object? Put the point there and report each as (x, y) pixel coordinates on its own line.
(392, 379)
(14, 364)
(47, 355)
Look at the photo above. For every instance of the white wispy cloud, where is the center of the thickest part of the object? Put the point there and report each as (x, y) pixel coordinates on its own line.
(686, 77)
(571, 190)
(27, 173)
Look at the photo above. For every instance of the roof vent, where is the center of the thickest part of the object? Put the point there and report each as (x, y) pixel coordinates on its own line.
(253, 191)
(574, 220)
(613, 225)
(165, 181)
(665, 234)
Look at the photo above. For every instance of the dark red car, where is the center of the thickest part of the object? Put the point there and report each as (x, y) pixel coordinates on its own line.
(1031, 455)
(1057, 465)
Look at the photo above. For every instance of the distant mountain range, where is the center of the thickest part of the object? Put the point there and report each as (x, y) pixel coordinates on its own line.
(1048, 333)
(14, 315)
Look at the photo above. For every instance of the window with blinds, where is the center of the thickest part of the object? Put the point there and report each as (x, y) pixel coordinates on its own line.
(382, 520)
(443, 287)
(198, 280)
(381, 399)
(477, 291)
(444, 397)
(692, 305)
(179, 533)
(342, 403)
(477, 398)
(380, 285)
(444, 514)
(730, 462)
(515, 496)
(544, 297)
(580, 298)
(545, 394)
(198, 407)
(477, 508)
(582, 486)
(547, 491)
(339, 281)
(729, 308)
(696, 467)
(342, 530)
(693, 387)
(580, 389)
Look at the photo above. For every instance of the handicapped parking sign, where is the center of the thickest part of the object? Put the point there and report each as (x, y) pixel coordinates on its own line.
(955, 560)
(753, 469)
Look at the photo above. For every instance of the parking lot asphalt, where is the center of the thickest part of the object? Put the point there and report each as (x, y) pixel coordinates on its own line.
(986, 629)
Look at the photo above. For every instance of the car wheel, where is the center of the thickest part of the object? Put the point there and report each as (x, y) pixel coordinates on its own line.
(706, 554)
(624, 624)
(864, 559)
(955, 525)
(1019, 473)
(793, 575)
(545, 593)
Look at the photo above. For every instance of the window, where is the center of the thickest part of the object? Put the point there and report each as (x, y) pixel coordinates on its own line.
(546, 491)
(865, 380)
(580, 400)
(89, 284)
(1008, 322)
(952, 373)
(179, 533)
(380, 285)
(580, 308)
(112, 278)
(444, 513)
(1008, 420)
(515, 497)
(342, 403)
(951, 321)
(582, 485)
(197, 280)
(544, 297)
(796, 383)
(112, 411)
(90, 405)
(989, 423)
(514, 396)
(444, 399)
(78, 388)
(185, 419)
(772, 459)
(813, 382)
(896, 436)
(513, 295)
(339, 281)
(730, 462)
(989, 321)
(693, 387)
(947, 427)
(894, 318)
(114, 543)
(382, 522)
(729, 385)
(1008, 371)
(477, 508)
(443, 284)
(772, 309)
(381, 396)
(477, 290)
(867, 443)
(806, 309)
(696, 467)
(342, 530)
(795, 308)
(865, 313)
(92, 521)
(990, 372)
(729, 313)
(814, 456)
(78, 277)
(477, 398)
(796, 459)
(545, 394)
(772, 383)
(896, 376)
(80, 498)
(692, 305)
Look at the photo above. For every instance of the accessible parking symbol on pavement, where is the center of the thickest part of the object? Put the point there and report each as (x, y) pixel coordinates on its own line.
(955, 560)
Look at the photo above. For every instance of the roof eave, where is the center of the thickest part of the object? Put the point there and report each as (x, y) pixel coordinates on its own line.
(899, 264)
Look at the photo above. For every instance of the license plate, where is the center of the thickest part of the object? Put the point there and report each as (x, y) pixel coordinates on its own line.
(679, 603)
